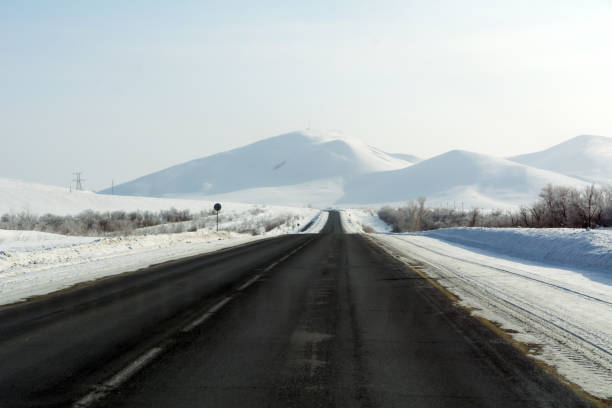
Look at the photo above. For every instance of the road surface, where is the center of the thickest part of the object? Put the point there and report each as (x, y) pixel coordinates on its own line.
(297, 321)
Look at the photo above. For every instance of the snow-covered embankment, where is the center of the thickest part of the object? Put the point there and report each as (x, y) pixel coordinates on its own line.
(549, 289)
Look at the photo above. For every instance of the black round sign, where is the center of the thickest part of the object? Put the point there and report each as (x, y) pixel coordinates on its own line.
(217, 207)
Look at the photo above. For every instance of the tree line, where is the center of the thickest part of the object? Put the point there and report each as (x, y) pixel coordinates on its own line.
(556, 207)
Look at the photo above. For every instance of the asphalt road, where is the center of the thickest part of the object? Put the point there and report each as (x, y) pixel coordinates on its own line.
(337, 323)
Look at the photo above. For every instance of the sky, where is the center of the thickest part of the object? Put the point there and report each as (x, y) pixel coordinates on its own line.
(120, 89)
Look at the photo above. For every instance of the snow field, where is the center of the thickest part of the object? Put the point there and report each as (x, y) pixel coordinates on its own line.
(19, 196)
(563, 314)
(35, 263)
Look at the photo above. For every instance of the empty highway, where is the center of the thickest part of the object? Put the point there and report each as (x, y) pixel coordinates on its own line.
(309, 320)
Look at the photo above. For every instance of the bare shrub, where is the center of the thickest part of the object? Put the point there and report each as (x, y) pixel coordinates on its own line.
(367, 229)
(94, 223)
(556, 207)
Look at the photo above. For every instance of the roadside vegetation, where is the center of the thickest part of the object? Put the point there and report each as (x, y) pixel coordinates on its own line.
(91, 223)
(556, 207)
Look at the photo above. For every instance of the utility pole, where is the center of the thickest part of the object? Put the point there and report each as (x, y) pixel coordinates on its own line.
(113, 187)
(78, 180)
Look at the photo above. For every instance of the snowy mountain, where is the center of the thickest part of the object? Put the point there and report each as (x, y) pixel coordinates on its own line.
(324, 169)
(585, 157)
(290, 159)
(454, 178)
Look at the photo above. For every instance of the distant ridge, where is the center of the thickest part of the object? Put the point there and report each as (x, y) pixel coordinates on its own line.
(586, 157)
(323, 169)
(475, 179)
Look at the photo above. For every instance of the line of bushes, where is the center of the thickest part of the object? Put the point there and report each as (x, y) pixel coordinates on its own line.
(93, 223)
(556, 207)
(254, 221)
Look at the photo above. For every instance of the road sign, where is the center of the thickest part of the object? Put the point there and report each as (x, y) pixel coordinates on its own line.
(217, 208)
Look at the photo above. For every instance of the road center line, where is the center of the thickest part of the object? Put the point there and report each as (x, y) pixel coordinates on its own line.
(270, 267)
(285, 257)
(119, 378)
(126, 373)
(249, 283)
(206, 315)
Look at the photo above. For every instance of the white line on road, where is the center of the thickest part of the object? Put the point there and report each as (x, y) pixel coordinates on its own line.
(249, 283)
(100, 391)
(207, 315)
(119, 378)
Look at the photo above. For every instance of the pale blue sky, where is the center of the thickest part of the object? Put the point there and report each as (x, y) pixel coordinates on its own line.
(120, 89)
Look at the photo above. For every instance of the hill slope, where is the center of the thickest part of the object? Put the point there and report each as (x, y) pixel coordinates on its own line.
(406, 157)
(585, 157)
(19, 196)
(289, 159)
(457, 176)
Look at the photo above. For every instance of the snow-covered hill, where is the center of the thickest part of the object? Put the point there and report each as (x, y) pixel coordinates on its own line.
(323, 169)
(286, 160)
(585, 157)
(457, 176)
(19, 196)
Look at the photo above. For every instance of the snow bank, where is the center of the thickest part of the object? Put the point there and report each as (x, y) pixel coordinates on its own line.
(28, 241)
(570, 248)
(317, 223)
(39, 271)
(550, 289)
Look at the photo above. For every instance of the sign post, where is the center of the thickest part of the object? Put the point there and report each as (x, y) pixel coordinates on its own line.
(217, 209)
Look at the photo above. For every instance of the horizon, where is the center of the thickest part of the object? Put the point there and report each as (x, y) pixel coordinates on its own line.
(319, 133)
(118, 91)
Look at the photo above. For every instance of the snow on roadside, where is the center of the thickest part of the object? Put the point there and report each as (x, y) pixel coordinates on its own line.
(564, 314)
(565, 247)
(28, 241)
(359, 220)
(35, 263)
(318, 222)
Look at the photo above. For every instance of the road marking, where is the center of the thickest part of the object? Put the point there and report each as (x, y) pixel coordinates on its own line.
(249, 283)
(101, 391)
(207, 315)
(118, 379)
(285, 257)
